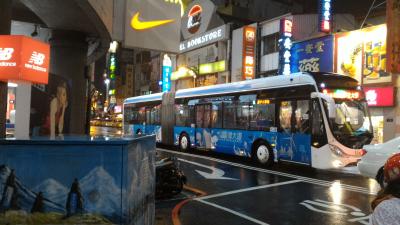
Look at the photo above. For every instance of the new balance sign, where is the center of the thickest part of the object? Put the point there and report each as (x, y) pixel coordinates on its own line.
(23, 58)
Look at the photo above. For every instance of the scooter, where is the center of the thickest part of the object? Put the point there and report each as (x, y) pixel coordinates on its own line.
(169, 178)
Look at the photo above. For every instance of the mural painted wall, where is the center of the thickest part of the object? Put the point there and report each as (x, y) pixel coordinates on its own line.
(77, 184)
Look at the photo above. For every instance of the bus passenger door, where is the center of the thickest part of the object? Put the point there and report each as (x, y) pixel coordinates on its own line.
(203, 131)
(295, 140)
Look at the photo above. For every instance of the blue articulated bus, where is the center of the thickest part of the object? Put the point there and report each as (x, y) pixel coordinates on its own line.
(316, 119)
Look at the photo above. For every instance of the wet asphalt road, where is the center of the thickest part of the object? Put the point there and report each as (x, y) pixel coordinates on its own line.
(235, 191)
(238, 192)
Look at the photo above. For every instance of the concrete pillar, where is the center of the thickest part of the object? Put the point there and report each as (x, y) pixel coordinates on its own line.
(5, 28)
(68, 51)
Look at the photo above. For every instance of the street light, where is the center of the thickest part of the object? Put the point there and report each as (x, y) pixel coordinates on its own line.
(107, 82)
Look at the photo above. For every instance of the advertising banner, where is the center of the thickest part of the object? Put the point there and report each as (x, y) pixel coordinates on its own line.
(153, 24)
(50, 111)
(379, 96)
(249, 46)
(361, 54)
(24, 59)
(166, 73)
(393, 38)
(314, 55)
(285, 45)
(325, 16)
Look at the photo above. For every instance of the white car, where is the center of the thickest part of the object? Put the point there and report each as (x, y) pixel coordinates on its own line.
(371, 164)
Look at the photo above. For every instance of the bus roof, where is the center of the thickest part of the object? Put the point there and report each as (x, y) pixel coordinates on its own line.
(144, 98)
(248, 85)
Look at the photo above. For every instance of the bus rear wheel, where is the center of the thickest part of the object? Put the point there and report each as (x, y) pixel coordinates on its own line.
(262, 154)
(184, 142)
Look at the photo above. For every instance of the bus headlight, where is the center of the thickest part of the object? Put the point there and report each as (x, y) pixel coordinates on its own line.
(336, 150)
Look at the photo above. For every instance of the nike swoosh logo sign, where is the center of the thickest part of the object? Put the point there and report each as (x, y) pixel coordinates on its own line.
(144, 25)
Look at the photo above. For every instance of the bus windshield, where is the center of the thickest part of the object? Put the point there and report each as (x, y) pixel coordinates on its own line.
(351, 126)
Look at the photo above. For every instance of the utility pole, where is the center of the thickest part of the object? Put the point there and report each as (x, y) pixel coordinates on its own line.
(5, 29)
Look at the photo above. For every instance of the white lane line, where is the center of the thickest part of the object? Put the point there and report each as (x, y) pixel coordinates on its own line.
(249, 189)
(233, 212)
(304, 179)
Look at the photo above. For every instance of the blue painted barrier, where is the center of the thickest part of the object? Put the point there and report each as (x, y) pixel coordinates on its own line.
(77, 180)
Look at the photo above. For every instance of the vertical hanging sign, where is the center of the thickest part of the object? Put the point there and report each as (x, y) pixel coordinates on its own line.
(249, 45)
(325, 16)
(166, 74)
(285, 45)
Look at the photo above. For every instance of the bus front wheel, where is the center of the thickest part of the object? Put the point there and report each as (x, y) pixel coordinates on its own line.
(262, 154)
(184, 142)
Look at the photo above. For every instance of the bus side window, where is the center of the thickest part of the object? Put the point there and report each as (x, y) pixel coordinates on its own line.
(285, 116)
(317, 125)
(216, 115)
(302, 115)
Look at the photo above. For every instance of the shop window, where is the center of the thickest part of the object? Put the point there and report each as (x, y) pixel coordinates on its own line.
(271, 43)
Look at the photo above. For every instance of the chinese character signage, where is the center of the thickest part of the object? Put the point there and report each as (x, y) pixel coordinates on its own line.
(361, 54)
(325, 16)
(249, 45)
(166, 73)
(393, 36)
(285, 45)
(314, 55)
(23, 58)
(379, 96)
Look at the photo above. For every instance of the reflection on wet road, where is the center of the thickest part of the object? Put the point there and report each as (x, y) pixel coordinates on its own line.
(237, 192)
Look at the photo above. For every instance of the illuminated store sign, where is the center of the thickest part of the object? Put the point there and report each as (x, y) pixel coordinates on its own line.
(313, 55)
(194, 19)
(23, 58)
(249, 45)
(214, 35)
(379, 96)
(342, 94)
(214, 67)
(166, 73)
(285, 45)
(325, 15)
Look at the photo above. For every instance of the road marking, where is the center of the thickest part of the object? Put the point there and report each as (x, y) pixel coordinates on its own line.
(337, 209)
(217, 174)
(232, 212)
(248, 189)
(304, 179)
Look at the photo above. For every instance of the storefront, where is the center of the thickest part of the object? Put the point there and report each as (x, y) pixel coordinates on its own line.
(361, 54)
(381, 101)
(203, 56)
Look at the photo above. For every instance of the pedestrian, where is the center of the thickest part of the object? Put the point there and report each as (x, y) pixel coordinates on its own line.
(386, 205)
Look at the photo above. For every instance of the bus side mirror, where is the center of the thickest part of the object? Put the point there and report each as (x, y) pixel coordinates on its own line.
(330, 103)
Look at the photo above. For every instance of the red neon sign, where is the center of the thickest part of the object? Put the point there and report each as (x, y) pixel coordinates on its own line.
(248, 62)
(23, 58)
(379, 96)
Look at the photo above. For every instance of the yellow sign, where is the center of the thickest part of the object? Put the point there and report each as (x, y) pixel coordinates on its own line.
(212, 67)
(144, 25)
(263, 102)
